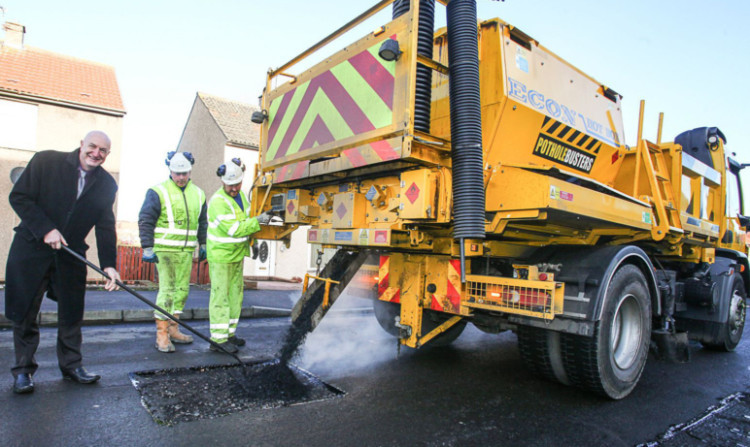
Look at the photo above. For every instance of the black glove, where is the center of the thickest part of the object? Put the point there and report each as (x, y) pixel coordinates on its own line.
(254, 249)
(264, 218)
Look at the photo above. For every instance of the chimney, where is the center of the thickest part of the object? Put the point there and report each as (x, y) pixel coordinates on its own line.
(14, 35)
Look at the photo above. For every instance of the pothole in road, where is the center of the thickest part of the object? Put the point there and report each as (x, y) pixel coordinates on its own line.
(179, 395)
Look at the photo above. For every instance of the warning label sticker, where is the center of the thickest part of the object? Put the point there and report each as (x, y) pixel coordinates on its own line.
(559, 152)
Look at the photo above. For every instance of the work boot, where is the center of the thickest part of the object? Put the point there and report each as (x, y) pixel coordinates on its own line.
(237, 341)
(162, 336)
(230, 348)
(176, 336)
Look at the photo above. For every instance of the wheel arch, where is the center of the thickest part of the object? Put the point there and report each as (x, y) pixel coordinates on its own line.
(739, 258)
(635, 256)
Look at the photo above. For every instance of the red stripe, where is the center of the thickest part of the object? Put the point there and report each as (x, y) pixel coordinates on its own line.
(383, 260)
(279, 115)
(384, 150)
(318, 133)
(299, 169)
(355, 157)
(383, 285)
(299, 115)
(396, 297)
(435, 304)
(282, 172)
(380, 79)
(453, 296)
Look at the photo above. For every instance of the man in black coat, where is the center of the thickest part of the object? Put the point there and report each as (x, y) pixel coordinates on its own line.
(59, 197)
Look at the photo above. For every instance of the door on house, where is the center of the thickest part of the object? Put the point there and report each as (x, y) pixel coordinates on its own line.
(265, 265)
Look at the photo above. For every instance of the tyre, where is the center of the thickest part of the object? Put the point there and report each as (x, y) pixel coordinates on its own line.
(726, 336)
(541, 354)
(611, 362)
(386, 313)
(432, 319)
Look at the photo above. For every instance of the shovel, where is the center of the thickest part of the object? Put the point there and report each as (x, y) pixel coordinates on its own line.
(158, 308)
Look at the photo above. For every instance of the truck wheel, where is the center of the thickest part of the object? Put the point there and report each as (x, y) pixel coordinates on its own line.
(432, 319)
(386, 314)
(541, 354)
(726, 336)
(611, 362)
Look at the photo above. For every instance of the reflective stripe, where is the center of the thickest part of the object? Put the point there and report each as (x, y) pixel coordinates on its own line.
(171, 243)
(234, 321)
(232, 330)
(219, 326)
(229, 204)
(233, 229)
(226, 217)
(167, 205)
(219, 336)
(227, 240)
(177, 231)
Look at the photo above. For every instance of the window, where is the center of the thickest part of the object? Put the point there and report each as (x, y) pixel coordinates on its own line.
(733, 196)
(18, 123)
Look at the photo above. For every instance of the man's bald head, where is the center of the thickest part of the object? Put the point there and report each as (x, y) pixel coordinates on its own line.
(95, 147)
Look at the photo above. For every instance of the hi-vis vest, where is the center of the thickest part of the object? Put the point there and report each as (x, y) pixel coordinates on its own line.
(177, 226)
(229, 228)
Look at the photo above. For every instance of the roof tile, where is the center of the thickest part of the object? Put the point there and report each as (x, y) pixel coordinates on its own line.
(234, 119)
(38, 72)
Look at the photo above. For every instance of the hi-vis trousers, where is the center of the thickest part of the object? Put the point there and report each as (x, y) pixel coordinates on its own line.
(225, 304)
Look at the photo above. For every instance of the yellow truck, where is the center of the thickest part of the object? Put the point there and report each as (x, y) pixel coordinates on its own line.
(489, 180)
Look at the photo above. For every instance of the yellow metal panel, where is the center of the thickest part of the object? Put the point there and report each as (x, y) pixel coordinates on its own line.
(412, 286)
(585, 202)
(514, 189)
(298, 206)
(349, 209)
(417, 197)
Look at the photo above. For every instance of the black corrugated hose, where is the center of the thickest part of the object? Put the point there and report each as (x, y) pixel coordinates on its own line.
(423, 89)
(466, 120)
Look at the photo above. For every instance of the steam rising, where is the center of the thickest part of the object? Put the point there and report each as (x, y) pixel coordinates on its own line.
(346, 342)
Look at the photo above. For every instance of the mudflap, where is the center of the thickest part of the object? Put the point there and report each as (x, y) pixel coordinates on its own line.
(672, 347)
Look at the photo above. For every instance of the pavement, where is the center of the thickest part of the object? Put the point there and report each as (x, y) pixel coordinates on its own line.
(268, 299)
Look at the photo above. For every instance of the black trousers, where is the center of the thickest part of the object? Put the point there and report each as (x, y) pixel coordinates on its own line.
(26, 338)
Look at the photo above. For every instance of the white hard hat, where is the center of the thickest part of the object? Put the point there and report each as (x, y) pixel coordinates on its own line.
(233, 173)
(180, 164)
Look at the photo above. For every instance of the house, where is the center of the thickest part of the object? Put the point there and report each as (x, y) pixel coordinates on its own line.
(50, 101)
(216, 131)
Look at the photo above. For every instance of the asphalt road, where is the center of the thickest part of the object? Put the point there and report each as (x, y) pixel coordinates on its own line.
(475, 392)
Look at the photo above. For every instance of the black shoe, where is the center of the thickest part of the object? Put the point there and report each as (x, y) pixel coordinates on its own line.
(229, 347)
(23, 384)
(237, 341)
(80, 375)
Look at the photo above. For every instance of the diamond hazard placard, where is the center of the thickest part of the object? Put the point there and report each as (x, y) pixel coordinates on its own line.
(412, 193)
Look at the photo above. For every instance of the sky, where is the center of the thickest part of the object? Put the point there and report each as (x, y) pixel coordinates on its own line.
(686, 58)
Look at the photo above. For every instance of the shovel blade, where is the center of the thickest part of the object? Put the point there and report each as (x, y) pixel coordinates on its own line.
(673, 347)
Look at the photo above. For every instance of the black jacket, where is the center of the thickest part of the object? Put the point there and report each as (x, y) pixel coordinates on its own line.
(44, 197)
